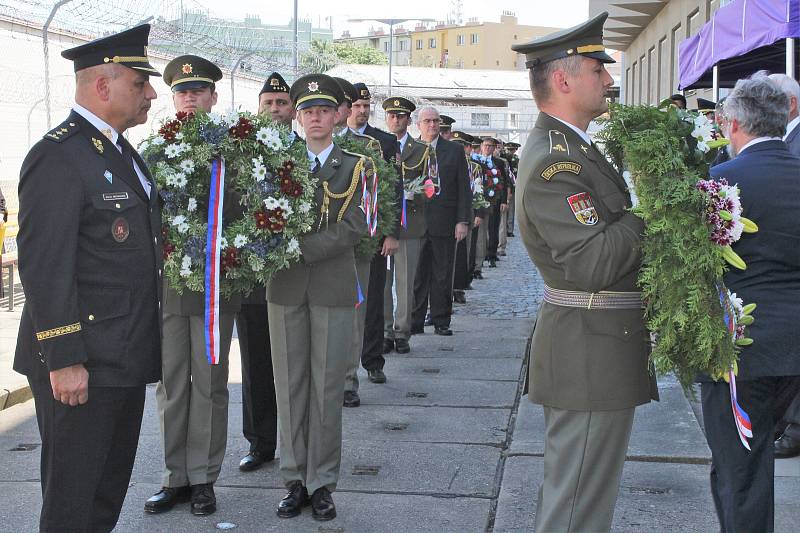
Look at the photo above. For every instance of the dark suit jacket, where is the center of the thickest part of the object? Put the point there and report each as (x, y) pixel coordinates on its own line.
(793, 140)
(768, 177)
(90, 260)
(453, 204)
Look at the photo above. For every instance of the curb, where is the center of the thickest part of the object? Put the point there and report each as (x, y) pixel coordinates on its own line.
(9, 398)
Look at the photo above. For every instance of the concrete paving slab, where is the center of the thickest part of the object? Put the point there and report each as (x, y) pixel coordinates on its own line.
(436, 391)
(487, 368)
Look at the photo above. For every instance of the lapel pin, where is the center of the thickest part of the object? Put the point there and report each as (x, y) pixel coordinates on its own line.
(98, 144)
(108, 176)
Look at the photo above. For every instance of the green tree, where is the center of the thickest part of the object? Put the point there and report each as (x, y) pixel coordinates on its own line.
(321, 57)
(361, 55)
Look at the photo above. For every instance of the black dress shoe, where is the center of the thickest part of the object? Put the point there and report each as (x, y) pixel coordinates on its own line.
(492, 263)
(166, 498)
(388, 345)
(477, 275)
(443, 330)
(786, 447)
(203, 500)
(458, 297)
(254, 460)
(376, 376)
(401, 345)
(322, 507)
(293, 502)
(428, 320)
(416, 330)
(511, 234)
(351, 399)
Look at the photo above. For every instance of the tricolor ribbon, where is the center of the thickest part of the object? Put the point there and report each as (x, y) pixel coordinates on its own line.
(403, 219)
(360, 294)
(740, 417)
(369, 199)
(213, 252)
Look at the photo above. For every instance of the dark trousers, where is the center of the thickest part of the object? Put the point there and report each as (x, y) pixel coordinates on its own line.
(741, 480)
(473, 245)
(790, 425)
(462, 277)
(434, 280)
(259, 408)
(87, 456)
(372, 349)
(494, 230)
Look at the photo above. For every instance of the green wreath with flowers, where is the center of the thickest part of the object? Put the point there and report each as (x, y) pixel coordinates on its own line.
(387, 181)
(690, 223)
(266, 175)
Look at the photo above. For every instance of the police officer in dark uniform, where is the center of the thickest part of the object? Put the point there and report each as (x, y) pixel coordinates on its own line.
(446, 127)
(589, 354)
(90, 260)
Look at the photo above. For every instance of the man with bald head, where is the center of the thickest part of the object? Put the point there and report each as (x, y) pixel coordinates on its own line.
(90, 258)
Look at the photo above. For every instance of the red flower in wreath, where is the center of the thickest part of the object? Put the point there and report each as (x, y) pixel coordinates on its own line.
(242, 129)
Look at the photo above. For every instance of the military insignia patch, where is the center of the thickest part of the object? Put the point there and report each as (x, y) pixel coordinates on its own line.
(107, 174)
(273, 82)
(313, 86)
(187, 68)
(585, 149)
(558, 142)
(397, 103)
(120, 229)
(98, 145)
(563, 166)
(583, 208)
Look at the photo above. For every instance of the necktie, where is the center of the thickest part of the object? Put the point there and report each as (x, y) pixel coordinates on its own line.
(316, 166)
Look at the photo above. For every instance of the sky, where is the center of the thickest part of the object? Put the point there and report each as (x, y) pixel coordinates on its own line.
(325, 13)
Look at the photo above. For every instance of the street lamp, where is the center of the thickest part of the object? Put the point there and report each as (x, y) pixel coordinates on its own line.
(391, 23)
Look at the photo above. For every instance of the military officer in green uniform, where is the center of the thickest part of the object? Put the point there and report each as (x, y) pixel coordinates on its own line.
(590, 347)
(411, 165)
(446, 127)
(90, 259)
(311, 308)
(192, 395)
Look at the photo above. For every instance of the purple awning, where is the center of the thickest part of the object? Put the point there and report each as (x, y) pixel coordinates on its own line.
(735, 30)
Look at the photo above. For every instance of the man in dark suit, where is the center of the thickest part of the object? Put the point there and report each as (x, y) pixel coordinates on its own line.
(496, 169)
(769, 370)
(447, 216)
(90, 260)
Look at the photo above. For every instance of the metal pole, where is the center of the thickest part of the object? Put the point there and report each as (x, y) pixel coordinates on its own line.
(296, 63)
(47, 58)
(715, 83)
(790, 59)
(391, 53)
(30, 112)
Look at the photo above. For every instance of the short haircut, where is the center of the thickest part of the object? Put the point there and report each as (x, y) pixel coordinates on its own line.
(759, 106)
(424, 109)
(787, 84)
(540, 75)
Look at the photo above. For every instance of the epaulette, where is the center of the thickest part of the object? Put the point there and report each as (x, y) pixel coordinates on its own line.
(558, 143)
(353, 154)
(65, 130)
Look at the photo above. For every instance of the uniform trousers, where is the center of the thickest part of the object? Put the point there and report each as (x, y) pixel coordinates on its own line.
(493, 227)
(372, 349)
(351, 376)
(310, 354)
(192, 399)
(434, 280)
(583, 458)
(502, 239)
(742, 482)
(259, 410)
(87, 456)
(397, 320)
(481, 238)
(461, 275)
(510, 218)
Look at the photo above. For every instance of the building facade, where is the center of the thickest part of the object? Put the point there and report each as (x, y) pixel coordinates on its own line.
(379, 40)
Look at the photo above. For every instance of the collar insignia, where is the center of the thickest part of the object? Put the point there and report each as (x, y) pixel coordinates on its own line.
(335, 161)
(98, 144)
(585, 149)
(108, 133)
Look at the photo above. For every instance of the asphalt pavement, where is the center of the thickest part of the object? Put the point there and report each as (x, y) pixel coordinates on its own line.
(447, 445)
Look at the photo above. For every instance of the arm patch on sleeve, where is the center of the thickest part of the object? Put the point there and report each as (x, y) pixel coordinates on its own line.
(563, 166)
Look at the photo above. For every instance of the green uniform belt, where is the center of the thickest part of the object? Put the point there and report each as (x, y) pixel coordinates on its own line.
(593, 300)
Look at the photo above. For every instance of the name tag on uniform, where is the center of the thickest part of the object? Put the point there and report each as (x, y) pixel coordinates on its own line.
(114, 196)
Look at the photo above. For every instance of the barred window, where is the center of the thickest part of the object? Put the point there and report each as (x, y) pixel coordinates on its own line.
(480, 120)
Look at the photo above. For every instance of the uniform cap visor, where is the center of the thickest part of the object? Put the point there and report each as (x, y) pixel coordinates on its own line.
(190, 84)
(316, 101)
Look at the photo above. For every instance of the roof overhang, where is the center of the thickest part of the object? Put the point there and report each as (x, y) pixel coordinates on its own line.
(626, 19)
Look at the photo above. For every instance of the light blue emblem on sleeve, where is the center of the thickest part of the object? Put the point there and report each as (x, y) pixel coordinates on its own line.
(108, 176)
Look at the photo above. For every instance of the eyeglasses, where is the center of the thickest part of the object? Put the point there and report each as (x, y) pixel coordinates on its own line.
(431, 120)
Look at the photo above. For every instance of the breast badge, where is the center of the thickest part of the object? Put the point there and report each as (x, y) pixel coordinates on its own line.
(107, 174)
(98, 145)
(583, 208)
(120, 229)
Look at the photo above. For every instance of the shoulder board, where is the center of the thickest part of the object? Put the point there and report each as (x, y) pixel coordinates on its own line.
(560, 166)
(558, 143)
(65, 130)
(352, 154)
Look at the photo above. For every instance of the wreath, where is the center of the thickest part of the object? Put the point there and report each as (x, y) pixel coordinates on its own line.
(476, 186)
(690, 223)
(385, 208)
(266, 177)
(492, 181)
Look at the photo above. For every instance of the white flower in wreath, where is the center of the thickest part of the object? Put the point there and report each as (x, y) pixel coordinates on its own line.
(231, 118)
(259, 172)
(179, 136)
(180, 180)
(143, 147)
(178, 219)
(495, 180)
(283, 203)
(239, 241)
(170, 180)
(703, 128)
(737, 303)
(702, 146)
(271, 203)
(216, 118)
(223, 242)
(490, 193)
(192, 205)
(269, 137)
(158, 141)
(172, 151)
(305, 207)
(187, 165)
(186, 267)
(494, 172)
(183, 147)
(293, 247)
(256, 263)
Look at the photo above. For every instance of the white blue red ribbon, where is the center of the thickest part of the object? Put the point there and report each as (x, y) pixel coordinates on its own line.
(360, 294)
(742, 420)
(403, 219)
(369, 199)
(213, 253)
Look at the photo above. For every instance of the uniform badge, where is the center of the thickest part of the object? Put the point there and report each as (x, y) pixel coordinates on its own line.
(335, 161)
(313, 86)
(120, 229)
(583, 208)
(558, 142)
(585, 149)
(563, 166)
(98, 144)
(186, 68)
(108, 176)
(108, 133)
(397, 103)
(274, 82)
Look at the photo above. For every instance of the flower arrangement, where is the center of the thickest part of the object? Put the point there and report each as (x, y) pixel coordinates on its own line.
(476, 186)
(691, 221)
(267, 201)
(492, 181)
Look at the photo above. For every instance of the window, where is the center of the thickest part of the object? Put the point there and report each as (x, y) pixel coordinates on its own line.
(402, 45)
(664, 69)
(473, 39)
(634, 82)
(693, 23)
(419, 44)
(676, 44)
(513, 120)
(432, 42)
(386, 46)
(641, 88)
(652, 76)
(480, 120)
(460, 39)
